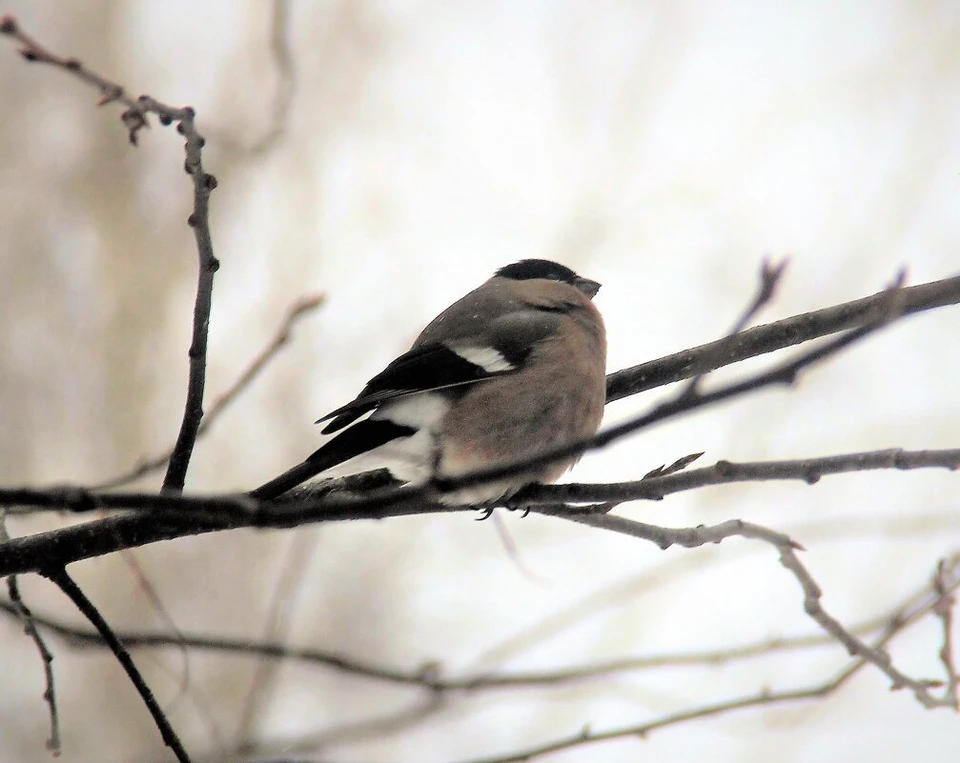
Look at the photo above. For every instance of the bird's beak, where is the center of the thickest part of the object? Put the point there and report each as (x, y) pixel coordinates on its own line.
(588, 287)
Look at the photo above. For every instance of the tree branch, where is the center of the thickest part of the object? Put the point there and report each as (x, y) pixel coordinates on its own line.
(165, 517)
(135, 118)
(66, 584)
(808, 470)
(774, 336)
(787, 549)
(22, 612)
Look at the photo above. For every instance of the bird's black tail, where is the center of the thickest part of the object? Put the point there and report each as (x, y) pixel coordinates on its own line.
(358, 439)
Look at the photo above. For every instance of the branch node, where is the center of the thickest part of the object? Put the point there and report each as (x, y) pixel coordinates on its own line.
(109, 93)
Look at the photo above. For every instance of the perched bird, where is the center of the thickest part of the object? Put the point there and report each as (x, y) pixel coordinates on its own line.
(515, 367)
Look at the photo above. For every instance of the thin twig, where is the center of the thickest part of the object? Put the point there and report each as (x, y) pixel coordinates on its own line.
(281, 338)
(22, 612)
(65, 583)
(283, 600)
(946, 602)
(375, 727)
(286, 77)
(770, 276)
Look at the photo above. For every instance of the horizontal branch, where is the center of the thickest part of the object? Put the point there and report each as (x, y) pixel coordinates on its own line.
(430, 675)
(164, 517)
(808, 470)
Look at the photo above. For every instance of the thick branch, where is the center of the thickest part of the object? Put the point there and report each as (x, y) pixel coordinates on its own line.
(164, 517)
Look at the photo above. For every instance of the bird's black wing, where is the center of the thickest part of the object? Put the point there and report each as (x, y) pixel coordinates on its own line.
(426, 368)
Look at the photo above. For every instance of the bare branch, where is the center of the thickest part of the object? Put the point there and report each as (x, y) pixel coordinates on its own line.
(430, 675)
(286, 77)
(913, 609)
(770, 276)
(808, 470)
(774, 336)
(787, 548)
(135, 119)
(945, 584)
(164, 517)
(375, 727)
(283, 601)
(25, 616)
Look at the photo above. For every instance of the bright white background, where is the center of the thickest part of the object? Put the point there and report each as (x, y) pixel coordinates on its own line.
(661, 148)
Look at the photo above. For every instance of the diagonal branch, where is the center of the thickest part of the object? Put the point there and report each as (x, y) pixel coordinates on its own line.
(770, 276)
(945, 588)
(65, 583)
(774, 336)
(787, 548)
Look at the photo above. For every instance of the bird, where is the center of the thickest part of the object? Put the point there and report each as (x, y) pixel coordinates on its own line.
(515, 367)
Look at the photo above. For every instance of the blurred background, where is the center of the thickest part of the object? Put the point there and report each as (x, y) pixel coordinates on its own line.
(391, 156)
